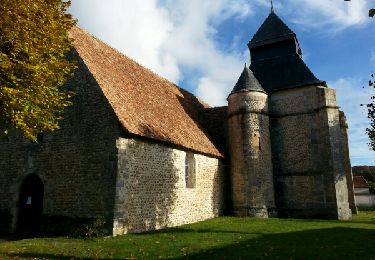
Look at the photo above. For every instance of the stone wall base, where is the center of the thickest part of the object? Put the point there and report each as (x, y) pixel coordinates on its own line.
(317, 213)
(254, 212)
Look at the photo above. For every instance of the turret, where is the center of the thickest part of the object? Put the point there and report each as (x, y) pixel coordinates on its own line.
(250, 148)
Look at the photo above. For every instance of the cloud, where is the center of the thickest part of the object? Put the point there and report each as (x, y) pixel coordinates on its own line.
(136, 29)
(333, 15)
(350, 95)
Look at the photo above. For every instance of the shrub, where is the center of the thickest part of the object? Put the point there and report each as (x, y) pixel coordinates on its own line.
(371, 186)
(96, 228)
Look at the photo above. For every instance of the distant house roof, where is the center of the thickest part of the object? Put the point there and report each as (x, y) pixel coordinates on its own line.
(247, 82)
(360, 182)
(146, 104)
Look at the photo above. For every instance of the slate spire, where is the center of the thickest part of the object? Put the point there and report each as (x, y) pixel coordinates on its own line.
(247, 82)
(272, 30)
(276, 57)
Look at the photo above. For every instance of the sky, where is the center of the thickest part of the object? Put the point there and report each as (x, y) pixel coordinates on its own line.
(201, 45)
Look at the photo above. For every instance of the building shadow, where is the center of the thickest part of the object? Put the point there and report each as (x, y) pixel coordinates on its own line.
(318, 243)
(51, 256)
(326, 243)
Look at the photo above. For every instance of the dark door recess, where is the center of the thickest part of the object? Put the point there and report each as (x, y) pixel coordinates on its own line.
(30, 205)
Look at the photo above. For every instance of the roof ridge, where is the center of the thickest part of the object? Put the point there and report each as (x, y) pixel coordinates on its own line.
(130, 58)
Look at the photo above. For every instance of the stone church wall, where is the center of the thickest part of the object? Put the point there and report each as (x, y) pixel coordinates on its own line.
(77, 163)
(151, 190)
(306, 145)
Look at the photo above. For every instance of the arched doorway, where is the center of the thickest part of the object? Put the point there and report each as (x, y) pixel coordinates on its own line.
(30, 205)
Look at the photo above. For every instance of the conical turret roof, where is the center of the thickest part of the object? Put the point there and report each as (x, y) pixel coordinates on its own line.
(273, 29)
(247, 81)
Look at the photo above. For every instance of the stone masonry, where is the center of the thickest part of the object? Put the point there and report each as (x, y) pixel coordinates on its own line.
(76, 164)
(151, 190)
(306, 146)
(250, 150)
(347, 164)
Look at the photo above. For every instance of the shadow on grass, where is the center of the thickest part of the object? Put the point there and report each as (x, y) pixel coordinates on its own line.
(328, 243)
(324, 243)
(52, 256)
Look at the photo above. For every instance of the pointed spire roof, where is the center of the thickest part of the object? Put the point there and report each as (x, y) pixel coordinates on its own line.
(276, 57)
(247, 82)
(272, 30)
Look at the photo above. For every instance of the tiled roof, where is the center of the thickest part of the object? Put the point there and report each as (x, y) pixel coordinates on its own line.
(360, 182)
(146, 104)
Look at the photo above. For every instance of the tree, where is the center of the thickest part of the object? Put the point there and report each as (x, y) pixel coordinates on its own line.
(371, 115)
(33, 67)
(371, 106)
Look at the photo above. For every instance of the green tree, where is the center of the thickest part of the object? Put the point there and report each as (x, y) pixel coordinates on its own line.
(371, 106)
(33, 67)
(371, 114)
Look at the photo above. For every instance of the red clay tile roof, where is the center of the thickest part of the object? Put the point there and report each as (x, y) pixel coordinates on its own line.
(360, 182)
(145, 104)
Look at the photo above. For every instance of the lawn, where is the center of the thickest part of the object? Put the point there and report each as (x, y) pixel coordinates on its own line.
(220, 238)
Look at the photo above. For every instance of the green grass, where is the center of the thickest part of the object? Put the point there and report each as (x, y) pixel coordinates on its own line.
(220, 238)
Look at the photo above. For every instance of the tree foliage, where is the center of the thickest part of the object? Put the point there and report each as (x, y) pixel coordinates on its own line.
(371, 106)
(33, 68)
(371, 114)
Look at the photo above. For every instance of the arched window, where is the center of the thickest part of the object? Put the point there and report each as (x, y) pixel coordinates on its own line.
(190, 170)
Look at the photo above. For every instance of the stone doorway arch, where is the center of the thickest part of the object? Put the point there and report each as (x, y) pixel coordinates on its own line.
(30, 205)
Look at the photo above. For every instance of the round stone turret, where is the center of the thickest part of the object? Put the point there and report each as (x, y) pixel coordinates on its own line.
(250, 148)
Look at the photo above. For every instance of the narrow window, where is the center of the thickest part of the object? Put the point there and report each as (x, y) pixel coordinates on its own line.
(255, 140)
(189, 170)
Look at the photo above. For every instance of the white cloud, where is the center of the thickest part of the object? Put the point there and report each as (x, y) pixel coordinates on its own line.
(335, 15)
(137, 29)
(350, 96)
(192, 43)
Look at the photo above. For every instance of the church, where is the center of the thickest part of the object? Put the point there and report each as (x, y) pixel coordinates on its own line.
(143, 154)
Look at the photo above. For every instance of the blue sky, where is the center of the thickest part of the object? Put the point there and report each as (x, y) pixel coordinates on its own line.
(201, 45)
